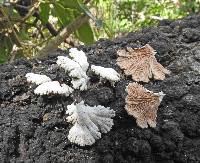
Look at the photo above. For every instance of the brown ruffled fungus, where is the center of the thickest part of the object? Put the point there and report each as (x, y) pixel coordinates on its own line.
(142, 104)
(141, 64)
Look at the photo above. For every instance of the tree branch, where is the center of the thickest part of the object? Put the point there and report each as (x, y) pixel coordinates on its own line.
(11, 27)
(51, 29)
(30, 12)
(56, 41)
(48, 25)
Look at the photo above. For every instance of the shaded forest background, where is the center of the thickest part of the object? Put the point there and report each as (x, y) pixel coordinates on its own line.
(33, 28)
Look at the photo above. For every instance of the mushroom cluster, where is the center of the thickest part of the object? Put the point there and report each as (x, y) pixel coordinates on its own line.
(142, 65)
(88, 122)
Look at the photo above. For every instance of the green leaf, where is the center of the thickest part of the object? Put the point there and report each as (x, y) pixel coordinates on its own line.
(44, 12)
(23, 34)
(85, 34)
(86, 10)
(5, 49)
(72, 4)
(79, 7)
(3, 55)
(65, 16)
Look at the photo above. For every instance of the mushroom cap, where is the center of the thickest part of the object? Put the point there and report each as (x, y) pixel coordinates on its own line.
(141, 64)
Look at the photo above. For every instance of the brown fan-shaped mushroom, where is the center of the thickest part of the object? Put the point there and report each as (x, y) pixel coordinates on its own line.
(142, 104)
(141, 64)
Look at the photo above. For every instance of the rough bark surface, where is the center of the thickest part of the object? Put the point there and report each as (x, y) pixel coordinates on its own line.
(34, 129)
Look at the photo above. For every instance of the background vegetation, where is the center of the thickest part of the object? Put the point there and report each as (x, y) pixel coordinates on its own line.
(31, 26)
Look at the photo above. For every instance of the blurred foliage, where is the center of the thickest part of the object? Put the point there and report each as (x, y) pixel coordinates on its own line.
(28, 25)
(122, 16)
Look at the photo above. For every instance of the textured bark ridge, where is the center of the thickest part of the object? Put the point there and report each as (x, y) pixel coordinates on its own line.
(34, 129)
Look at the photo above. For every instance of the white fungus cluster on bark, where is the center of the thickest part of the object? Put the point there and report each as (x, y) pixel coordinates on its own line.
(107, 73)
(89, 122)
(37, 78)
(53, 87)
(46, 86)
(76, 67)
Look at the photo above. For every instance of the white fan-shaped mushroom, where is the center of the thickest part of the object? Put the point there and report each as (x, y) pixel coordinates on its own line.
(37, 78)
(79, 77)
(67, 64)
(88, 122)
(79, 134)
(53, 87)
(80, 83)
(107, 73)
(80, 57)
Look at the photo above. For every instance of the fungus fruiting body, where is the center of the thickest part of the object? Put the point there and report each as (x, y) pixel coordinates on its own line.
(88, 122)
(79, 57)
(78, 74)
(107, 73)
(80, 83)
(71, 66)
(37, 78)
(141, 64)
(142, 104)
(53, 87)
